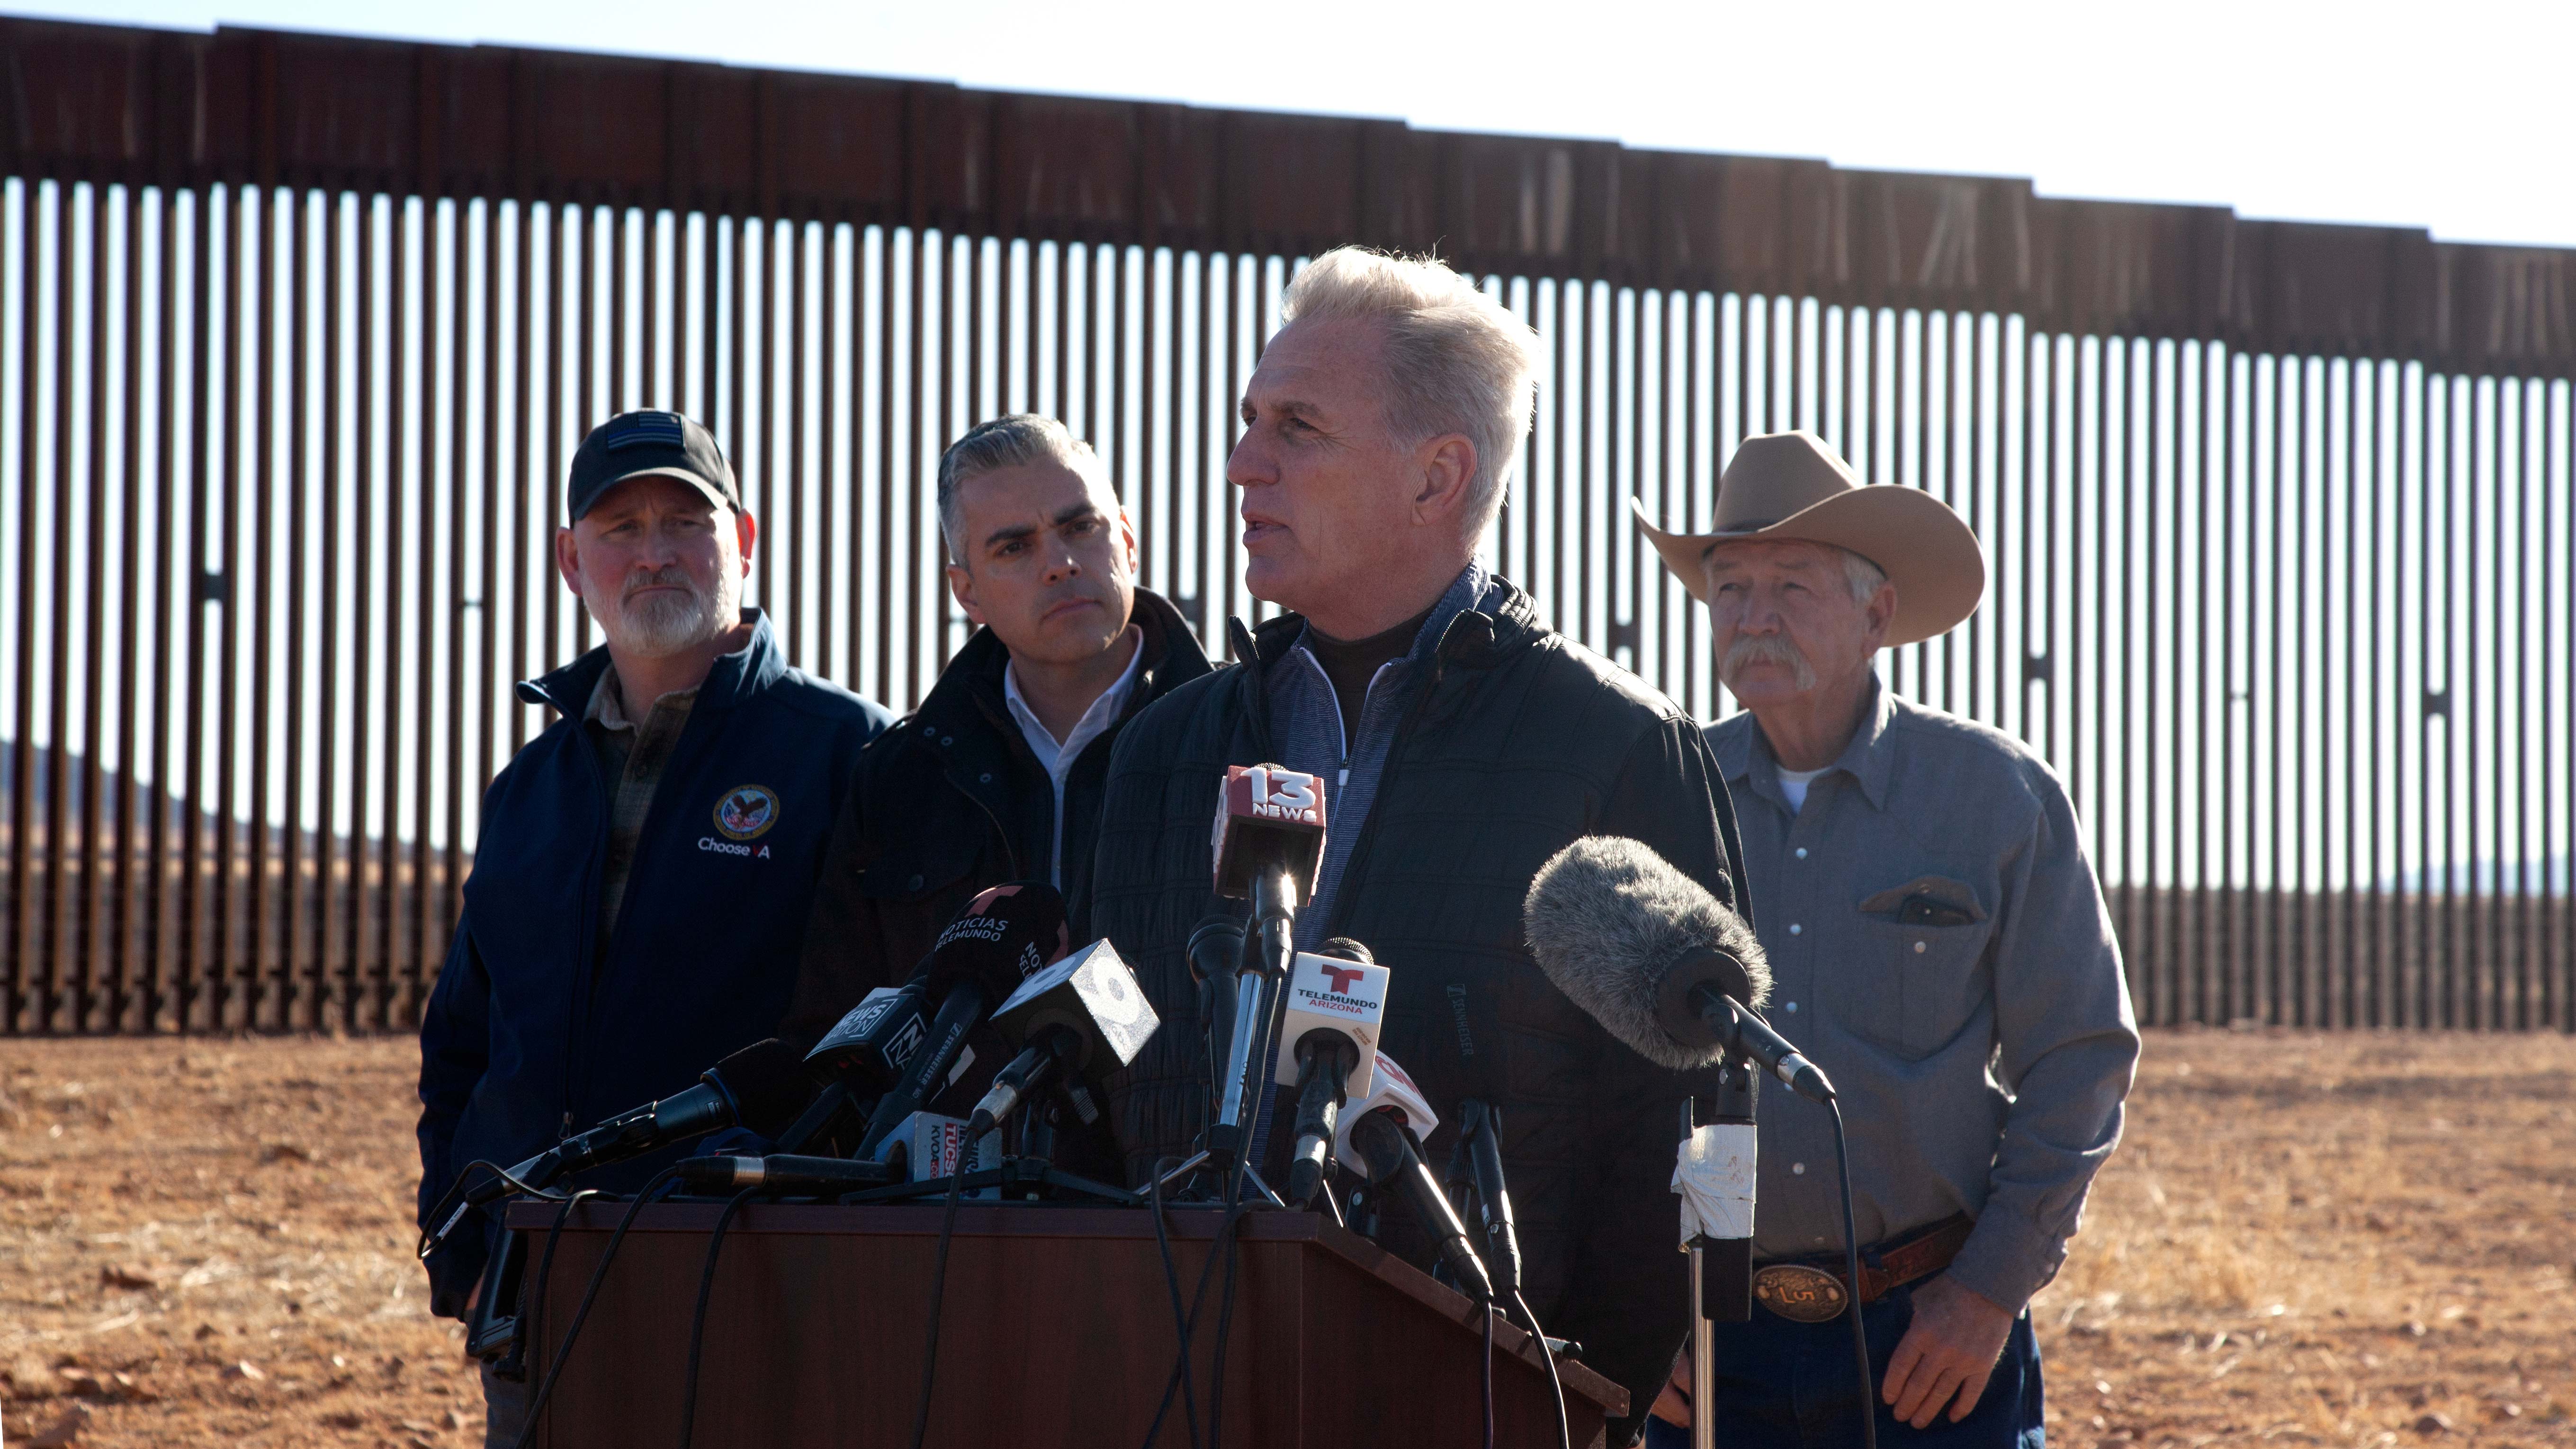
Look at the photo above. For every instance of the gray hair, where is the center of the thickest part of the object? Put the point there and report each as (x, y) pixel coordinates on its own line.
(1010, 441)
(1457, 360)
(1864, 578)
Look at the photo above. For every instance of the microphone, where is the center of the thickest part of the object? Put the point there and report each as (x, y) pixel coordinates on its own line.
(1215, 955)
(1075, 1023)
(1269, 819)
(1328, 1040)
(1392, 1090)
(1480, 1134)
(783, 1174)
(1005, 935)
(1267, 841)
(1657, 961)
(759, 1087)
(1391, 1158)
(869, 1048)
(927, 1145)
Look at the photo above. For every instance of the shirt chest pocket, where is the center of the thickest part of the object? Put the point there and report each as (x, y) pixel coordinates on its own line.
(1921, 973)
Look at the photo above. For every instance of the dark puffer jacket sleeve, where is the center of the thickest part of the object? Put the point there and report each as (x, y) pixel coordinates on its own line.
(455, 1047)
(838, 965)
(1627, 1298)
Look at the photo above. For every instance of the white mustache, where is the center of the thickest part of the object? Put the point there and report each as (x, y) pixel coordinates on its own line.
(1751, 649)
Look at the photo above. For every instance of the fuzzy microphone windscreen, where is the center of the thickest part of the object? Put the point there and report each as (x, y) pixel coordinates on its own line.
(1607, 918)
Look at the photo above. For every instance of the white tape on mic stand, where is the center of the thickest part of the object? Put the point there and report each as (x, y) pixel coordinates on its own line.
(1714, 1177)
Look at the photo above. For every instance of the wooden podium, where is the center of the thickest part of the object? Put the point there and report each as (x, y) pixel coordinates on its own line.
(1057, 1334)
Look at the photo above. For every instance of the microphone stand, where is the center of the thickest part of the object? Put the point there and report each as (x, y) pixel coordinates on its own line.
(1260, 994)
(1720, 1276)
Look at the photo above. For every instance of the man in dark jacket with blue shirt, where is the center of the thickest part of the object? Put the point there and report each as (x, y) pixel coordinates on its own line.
(645, 867)
(1461, 742)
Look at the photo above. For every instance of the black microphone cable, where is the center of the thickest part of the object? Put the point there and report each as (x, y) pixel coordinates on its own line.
(1229, 1242)
(421, 1246)
(514, 1365)
(1180, 1321)
(1851, 1265)
(589, 1295)
(1229, 1232)
(1555, 1385)
(938, 1292)
(1489, 1373)
(698, 1317)
(1198, 1302)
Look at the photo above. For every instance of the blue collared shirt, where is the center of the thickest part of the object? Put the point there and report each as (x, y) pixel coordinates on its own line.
(1981, 1064)
(1306, 728)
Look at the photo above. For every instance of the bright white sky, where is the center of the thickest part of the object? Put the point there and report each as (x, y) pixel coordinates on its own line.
(2456, 117)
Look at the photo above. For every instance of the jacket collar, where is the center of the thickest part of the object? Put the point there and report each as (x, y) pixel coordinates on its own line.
(734, 678)
(1480, 622)
(970, 688)
(1870, 759)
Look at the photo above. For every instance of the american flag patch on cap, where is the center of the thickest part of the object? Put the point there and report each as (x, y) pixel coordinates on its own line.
(642, 429)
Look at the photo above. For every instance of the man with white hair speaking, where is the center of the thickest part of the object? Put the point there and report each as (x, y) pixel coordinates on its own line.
(645, 866)
(1938, 946)
(1462, 742)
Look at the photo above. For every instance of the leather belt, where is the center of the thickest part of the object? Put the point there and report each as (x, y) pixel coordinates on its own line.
(1813, 1290)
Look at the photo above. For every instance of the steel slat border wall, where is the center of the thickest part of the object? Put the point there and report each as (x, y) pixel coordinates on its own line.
(2052, 368)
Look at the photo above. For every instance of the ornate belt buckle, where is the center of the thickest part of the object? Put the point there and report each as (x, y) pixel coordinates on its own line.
(1799, 1293)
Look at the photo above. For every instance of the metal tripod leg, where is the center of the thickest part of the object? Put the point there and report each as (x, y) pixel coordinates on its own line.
(1703, 1352)
(1181, 1173)
(1198, 1160)
(1265, 1187)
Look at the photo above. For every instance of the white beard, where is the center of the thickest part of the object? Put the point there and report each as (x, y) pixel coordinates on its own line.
(658, 625)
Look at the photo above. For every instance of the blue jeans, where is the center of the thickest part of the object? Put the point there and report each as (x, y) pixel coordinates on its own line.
(1784, 1385)
(505, 1409)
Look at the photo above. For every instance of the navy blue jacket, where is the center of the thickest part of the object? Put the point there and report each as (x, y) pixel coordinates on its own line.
(532, 1030)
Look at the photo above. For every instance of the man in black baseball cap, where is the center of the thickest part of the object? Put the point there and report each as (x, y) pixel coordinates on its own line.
(644, 445)
(646, 866)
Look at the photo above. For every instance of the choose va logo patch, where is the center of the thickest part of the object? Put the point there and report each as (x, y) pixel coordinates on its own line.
(746, 812)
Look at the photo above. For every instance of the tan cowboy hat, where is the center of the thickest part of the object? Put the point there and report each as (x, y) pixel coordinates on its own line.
(1791, 486)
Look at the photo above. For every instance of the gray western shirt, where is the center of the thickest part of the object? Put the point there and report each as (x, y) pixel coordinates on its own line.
(1981, 1065)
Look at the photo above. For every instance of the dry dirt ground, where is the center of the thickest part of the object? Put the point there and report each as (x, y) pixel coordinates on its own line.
(2352, 1240)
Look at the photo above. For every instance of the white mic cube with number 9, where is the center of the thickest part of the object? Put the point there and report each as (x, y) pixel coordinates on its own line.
(1344, 996)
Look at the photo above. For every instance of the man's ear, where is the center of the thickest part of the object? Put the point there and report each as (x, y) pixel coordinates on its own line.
(1448, 465)
(1881, 612)
(746, 533)
(568, 560)
(1127, 538)
(961, 585)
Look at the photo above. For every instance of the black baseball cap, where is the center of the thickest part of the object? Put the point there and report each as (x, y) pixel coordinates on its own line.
(633, 445)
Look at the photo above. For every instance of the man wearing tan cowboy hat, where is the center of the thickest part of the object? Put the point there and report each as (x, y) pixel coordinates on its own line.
(1938, 945)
